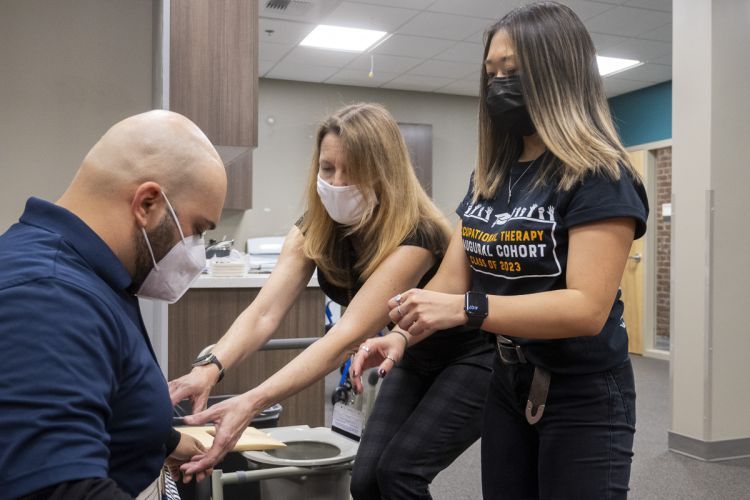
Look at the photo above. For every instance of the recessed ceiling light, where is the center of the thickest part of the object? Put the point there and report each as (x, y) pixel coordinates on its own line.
(611, 65)
(340, 38)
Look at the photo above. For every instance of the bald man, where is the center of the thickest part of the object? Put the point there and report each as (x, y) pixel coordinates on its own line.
(84, 407)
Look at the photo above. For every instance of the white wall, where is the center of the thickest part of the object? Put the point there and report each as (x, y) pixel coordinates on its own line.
(710, 238)
(68, 70)
(730, 178)
(282, 160)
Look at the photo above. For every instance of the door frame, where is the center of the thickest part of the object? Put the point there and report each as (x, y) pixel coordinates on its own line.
(648, 328)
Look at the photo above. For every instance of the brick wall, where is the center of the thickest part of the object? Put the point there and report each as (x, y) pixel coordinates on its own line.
(663, 238)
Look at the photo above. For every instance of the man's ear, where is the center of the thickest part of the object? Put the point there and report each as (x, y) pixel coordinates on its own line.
(146, 203)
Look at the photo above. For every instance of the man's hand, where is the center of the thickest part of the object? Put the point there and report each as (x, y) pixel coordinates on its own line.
(187, 448)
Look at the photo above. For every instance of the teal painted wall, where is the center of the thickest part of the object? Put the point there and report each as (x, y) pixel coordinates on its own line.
(644, 115)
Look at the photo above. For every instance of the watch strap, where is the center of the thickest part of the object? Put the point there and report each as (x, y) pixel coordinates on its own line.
(211, 359)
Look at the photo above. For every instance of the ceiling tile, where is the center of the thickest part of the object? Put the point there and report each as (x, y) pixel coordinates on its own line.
(461, 87)
(641, 50)
(615, 86)
(478, 36)
(302, 73)
(627, 21)
(264, 66)
(488, 9)
(462, 52)
(662, 5)
(319, 57)
(392, 64)
(665, 59)
(586, 9)
(423, 83)
(366, 16)
(273, 51)
(412, 46)
(602, 41)
(662, 34)
(360, 78)
(283, 31)
(447, 69)
(653, 73)
(451, 27)
(406, 4)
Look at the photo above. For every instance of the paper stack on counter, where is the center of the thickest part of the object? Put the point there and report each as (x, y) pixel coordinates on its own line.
(250, 440)
(233, 265)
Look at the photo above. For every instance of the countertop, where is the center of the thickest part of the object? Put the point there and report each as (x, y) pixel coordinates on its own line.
(251, 280)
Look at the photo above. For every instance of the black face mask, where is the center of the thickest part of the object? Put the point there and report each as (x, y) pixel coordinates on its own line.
(506, 106)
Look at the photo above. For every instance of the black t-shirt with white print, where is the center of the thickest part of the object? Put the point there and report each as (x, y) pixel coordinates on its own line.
(521, 247)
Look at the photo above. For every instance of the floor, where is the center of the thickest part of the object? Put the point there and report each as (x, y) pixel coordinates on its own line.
(657, 473)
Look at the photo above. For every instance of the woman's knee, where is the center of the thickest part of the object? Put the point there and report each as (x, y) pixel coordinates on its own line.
(364, 483)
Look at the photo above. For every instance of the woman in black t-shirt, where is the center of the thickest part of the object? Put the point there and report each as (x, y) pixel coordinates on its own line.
(551, 212)
(371, 231)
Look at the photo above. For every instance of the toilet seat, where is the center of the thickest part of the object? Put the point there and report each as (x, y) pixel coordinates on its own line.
(301, 434)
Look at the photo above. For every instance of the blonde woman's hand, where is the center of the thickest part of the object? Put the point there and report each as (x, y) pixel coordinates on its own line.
(230, 418)
(385, 351)
(423, 312)
(195, 386)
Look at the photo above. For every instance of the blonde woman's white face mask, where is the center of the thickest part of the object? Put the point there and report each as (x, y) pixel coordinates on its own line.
(345, 204)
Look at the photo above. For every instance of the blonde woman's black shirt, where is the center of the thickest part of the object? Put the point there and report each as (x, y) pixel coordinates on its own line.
(521, 247)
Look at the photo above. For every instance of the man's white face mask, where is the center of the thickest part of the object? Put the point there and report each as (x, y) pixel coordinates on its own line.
(345, 204)
(171, 277)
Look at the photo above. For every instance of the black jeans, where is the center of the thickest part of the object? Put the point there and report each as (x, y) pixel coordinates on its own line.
(428, 411)
(582, 447)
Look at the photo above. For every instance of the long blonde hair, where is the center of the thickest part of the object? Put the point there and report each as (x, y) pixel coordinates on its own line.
(565, 98)
(378, 163)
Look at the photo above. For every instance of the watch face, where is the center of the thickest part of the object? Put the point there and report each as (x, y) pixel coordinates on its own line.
(476, 304)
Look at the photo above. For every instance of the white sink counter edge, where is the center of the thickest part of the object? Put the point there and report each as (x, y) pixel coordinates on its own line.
(252, 280)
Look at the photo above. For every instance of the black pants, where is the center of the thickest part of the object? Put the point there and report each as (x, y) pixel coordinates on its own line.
(582, 447)
(427, 413)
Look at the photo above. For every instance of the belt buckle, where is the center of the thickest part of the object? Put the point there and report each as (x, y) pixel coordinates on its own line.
(519, 356)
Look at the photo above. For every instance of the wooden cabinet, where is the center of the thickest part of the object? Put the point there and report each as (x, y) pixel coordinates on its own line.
(202, 316)
(213, 79)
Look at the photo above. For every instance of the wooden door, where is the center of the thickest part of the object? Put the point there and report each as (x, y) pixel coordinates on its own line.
(418, 139)
(633, 276)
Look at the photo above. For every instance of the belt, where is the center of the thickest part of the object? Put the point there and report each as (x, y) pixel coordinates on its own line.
(512, 354)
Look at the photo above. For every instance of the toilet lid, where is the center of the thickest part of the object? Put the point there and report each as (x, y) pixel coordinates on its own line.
(306, 447)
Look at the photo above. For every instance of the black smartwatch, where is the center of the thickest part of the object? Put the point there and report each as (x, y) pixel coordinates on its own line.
(476, 308)
(207, 359)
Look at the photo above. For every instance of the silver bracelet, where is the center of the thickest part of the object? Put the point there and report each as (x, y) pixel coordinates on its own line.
(406, 339)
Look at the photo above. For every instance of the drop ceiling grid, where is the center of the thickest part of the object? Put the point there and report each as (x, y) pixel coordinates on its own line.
(429, 37)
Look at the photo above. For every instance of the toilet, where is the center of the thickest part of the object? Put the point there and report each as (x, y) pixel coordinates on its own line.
(326, 453)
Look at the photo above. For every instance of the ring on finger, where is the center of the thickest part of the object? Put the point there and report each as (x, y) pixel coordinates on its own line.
(364, 348)
(398, 308)
(397, 298)
(388, 357)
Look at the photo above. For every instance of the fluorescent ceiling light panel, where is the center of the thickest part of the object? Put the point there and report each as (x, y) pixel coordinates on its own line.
(340, 38)
(611, 65)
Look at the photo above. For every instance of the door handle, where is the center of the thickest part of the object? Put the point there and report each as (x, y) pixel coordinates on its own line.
(637, 257)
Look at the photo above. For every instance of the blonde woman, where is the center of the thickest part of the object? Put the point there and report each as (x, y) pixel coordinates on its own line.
(371, 231)
(546, 226)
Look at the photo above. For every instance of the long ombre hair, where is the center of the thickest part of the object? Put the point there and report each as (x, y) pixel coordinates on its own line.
(565, 97)
(378, 164)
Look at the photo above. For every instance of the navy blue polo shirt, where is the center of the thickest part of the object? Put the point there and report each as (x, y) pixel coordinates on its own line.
(81, 394)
